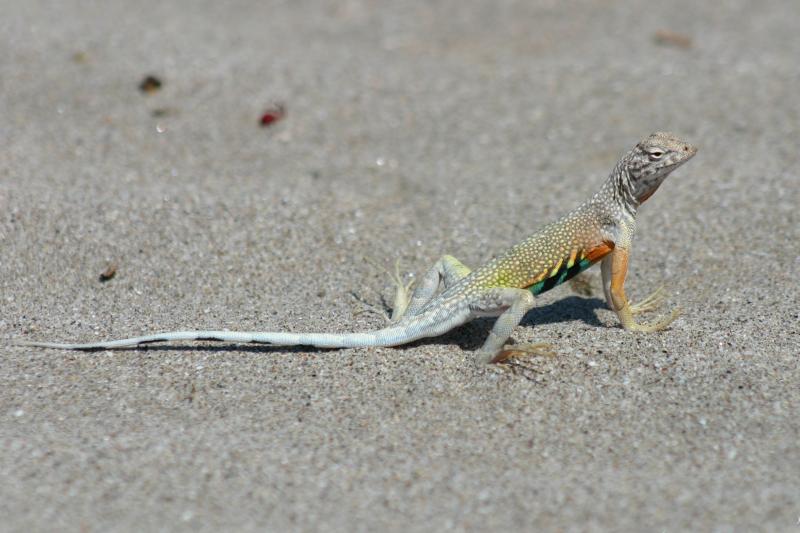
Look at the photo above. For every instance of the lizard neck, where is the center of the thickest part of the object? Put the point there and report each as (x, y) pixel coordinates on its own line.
(617, 191)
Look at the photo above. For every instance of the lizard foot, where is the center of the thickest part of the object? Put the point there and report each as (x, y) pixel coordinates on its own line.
(401, 295)
(402, 290)
(651, 302)
(658, 325)
(541, 349)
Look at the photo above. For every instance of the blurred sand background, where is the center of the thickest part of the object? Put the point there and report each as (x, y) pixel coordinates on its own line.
(412, 130)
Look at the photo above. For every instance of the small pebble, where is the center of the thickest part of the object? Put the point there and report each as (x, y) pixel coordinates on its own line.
(150, 84)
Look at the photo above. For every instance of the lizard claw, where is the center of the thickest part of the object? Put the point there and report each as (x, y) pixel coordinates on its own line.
(659, 325)
(541, 349)
(402, 289)
(653, 301)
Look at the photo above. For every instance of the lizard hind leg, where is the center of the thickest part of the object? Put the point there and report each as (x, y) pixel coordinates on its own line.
(446, 271)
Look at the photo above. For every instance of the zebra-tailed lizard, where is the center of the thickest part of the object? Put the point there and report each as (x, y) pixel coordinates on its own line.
(600, 229)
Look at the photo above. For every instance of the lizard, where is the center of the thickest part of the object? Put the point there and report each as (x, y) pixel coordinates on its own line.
(450, 294)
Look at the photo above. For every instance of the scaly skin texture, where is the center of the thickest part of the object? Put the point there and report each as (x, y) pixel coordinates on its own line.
(600, 229)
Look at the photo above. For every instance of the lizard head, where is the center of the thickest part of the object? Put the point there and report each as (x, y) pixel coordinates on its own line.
(651, 161)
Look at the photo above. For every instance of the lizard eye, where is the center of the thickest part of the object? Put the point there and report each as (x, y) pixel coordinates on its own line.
(655, 154)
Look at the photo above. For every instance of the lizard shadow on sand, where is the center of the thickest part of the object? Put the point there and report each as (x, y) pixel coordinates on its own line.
(471, 336)
(467, 337)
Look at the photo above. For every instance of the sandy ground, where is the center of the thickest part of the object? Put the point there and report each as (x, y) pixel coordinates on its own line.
(412, 130)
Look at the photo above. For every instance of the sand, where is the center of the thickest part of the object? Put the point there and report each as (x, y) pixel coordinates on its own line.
(411, 130)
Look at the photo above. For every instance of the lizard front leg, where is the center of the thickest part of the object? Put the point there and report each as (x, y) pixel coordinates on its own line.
(651, 302)
(614, 268)
(511, 304)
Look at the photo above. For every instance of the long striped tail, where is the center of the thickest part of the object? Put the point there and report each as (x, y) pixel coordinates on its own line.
(417, 327)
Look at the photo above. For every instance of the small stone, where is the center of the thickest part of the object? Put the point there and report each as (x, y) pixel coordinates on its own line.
(150, 84)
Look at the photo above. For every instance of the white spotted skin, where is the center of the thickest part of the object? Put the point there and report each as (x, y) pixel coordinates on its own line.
(575, 235)
(592, 229)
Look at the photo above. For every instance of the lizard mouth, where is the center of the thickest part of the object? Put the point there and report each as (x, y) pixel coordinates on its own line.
(681, 157)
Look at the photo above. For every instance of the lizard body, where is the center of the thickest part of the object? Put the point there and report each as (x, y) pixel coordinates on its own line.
(599, 230)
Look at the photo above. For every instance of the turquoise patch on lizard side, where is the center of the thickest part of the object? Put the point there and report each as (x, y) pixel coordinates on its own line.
(560, 276)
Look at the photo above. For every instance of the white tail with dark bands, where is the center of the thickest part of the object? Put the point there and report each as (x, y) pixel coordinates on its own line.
(418, 327)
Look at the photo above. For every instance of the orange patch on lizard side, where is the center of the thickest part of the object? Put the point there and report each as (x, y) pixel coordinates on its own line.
(600, 251)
